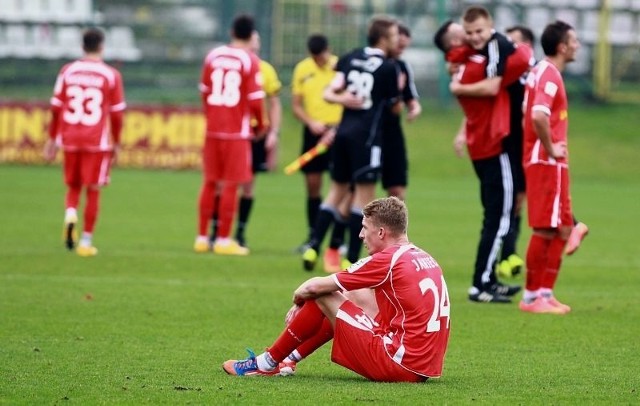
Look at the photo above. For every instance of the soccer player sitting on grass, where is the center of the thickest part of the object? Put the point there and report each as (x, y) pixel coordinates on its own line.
(399, 335)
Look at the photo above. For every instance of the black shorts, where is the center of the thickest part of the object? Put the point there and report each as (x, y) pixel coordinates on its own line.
(355, 159)
(259, 155)
(319, 163)
(395, 165)
(512, 145)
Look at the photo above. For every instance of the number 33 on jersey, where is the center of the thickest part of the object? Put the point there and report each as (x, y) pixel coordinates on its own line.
(86, 91)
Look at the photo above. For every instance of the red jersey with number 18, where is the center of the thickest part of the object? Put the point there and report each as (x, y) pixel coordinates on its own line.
(86, 92)
(413, 302)
(231, 87)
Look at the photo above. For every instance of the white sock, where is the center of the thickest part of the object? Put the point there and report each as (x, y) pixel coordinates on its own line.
(85, 240)
(224, 241)
(530, 295)
(70, 214)
(265, 362)
(294, 357)
(546, 293)
(202, 238)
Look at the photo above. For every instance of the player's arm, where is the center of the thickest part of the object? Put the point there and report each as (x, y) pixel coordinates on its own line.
(410, 94)
(116, 119)
(336, 93)
(297, 103)
(460, 140)
(315, 287)
(542, 126)
(50, 147)
(488, 87)
(414, 109)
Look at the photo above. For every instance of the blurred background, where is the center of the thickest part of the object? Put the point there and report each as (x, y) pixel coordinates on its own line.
(159, 44)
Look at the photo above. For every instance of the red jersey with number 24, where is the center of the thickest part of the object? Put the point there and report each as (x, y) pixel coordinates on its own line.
(87, 91)
(413, 302)
(231, 87)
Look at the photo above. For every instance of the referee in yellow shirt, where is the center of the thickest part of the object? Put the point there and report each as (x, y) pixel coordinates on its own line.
(310, 77)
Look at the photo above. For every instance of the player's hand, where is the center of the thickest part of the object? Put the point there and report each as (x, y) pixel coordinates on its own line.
(271, 141)
(351, 101)
(413, 111)
(459, 144)
(454, 86)
(50, 150)
(558, 150)
(317, 128)
(295, 309)
(328, 136)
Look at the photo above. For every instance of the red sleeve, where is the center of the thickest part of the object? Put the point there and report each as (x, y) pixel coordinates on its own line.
(459, 54)
(517, 64)
(367, 272)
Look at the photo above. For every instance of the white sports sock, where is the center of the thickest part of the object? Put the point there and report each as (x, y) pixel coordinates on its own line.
(85, 240)
(546, 293)
(530, 295)
(265, 362)
(223, 241)
(70, 215)
(293, 357)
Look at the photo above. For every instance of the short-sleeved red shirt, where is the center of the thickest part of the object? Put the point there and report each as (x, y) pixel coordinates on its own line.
(230, 81)
(87, 91)
(413, 303)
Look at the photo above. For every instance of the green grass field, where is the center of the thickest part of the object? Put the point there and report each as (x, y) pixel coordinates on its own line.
(150, 322)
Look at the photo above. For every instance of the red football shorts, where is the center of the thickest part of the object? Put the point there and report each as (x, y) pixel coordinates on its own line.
(227, 160)
(358, 348)
(548, 198)
(87, 168)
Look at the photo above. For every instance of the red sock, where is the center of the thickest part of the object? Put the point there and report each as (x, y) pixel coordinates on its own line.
(73, 197)
(554, 260)
(227, 209)
(206, 206)
(323, 336)
(303, 326)
(91, 209)
(536, 261)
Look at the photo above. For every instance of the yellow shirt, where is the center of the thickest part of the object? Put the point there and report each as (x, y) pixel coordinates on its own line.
(309, 81)
(270, 82)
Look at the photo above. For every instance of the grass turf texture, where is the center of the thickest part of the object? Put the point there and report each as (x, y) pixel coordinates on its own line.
(149, 321)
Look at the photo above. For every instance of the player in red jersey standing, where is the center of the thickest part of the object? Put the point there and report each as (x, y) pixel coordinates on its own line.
(547, 168)
(231, 89)
(87, 108)
(405, 341)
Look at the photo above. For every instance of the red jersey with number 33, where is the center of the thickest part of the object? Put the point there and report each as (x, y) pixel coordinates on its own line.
(230, 81)
(87, 91)
(413, 302)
